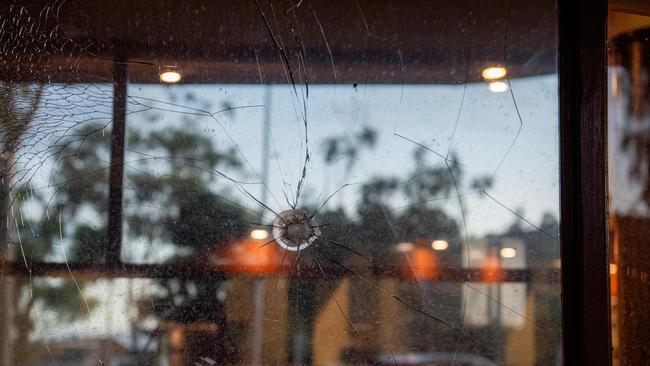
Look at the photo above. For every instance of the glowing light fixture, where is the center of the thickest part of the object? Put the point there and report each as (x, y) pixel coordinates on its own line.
(404, 247)
(508, 252)
(259, 234)
(170, 74)
(493, 72)
(498, 87)
(170, 77)
(439, 245)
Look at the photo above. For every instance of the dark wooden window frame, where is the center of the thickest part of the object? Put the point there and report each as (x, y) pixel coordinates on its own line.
(586, 327)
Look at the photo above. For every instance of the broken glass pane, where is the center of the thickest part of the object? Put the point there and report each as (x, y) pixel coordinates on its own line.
(278, 182)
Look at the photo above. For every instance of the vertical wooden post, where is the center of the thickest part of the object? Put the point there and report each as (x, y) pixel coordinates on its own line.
(115, 194)
(583, 166)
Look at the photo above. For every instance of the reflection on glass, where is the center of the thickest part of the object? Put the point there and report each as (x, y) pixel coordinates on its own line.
(498, 86)
(628, 117)
(298, 188)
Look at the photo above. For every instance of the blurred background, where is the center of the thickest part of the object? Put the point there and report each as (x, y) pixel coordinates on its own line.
(628, 56)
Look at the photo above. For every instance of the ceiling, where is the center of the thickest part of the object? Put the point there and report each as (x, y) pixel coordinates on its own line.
(369, 41)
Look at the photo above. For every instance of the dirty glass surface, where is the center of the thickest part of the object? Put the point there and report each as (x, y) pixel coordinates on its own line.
(279, 183)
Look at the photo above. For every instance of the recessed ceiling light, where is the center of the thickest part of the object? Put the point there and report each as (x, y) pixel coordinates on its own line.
(493, 72)
(170, 77)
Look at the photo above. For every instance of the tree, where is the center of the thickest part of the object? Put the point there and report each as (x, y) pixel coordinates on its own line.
(366, 243)
(18, 106)
(190, 216)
